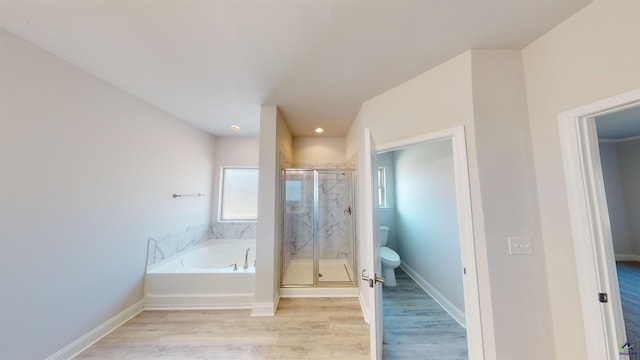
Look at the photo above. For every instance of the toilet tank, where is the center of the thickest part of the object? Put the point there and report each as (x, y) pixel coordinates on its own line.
(383, 235)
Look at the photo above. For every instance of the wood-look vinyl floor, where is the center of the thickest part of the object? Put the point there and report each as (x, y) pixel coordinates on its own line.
(416, 327)
(303, 328)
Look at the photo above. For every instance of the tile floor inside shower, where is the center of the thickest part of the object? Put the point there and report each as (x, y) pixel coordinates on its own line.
(300, 272)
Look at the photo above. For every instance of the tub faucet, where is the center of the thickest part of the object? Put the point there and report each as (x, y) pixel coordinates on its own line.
(246, 258)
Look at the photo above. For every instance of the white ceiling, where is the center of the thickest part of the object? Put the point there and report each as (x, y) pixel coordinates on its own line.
(214, 64)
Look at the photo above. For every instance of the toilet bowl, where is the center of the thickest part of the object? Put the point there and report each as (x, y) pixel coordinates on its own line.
(390, 260)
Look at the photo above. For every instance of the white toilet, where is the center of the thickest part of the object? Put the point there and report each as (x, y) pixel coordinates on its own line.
(389, 258)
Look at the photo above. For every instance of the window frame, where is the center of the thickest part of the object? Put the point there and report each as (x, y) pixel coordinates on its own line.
(382, 187)
(222, 197)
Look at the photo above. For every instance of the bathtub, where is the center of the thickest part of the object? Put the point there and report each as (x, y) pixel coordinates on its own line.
(203, 278)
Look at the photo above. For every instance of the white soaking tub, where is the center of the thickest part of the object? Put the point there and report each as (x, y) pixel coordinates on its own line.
(203, 278)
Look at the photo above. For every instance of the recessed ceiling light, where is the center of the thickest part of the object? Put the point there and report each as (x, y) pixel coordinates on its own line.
(319, 130)
(235, 127)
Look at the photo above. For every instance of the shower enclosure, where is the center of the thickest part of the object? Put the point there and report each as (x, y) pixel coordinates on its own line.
(318, 237)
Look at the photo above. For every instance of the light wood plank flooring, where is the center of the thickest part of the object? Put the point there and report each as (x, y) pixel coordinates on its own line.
(303, 328)
(416, 327)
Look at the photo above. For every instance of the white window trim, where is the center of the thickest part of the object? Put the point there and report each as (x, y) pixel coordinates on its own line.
(221, 195)
(382, 200)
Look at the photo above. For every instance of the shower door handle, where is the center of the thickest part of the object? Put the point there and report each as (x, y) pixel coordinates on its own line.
(372, 281)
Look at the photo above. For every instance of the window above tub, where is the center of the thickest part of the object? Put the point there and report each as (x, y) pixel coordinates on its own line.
(238, 194)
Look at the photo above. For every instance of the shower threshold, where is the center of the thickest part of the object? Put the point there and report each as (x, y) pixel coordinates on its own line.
(300, 272)
(336, 280)
(320, 291)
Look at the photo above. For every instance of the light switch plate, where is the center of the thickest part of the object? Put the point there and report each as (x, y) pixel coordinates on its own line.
(520, 246)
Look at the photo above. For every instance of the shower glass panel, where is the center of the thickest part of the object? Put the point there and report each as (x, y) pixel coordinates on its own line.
(318, 230)
(298, 247)
(335, 230)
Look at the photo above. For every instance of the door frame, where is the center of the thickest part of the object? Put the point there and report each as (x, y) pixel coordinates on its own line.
(590, 224)
(465, 226)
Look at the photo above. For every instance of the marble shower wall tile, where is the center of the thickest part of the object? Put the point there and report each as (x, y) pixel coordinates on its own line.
(322, 165)
(299, 234)
(334, 220)
(335, 229)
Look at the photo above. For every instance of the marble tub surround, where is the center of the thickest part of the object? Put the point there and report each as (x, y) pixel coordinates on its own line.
(162, 247)
(233, 230)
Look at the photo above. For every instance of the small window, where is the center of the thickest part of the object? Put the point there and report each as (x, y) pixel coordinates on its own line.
(293, 190)
(239, 194)
(382, 187)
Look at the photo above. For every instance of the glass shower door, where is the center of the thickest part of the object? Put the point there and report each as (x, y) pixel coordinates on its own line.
(335, 244)
(298, 245)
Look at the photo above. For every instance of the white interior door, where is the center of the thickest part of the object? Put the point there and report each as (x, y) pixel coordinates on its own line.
(371, 286)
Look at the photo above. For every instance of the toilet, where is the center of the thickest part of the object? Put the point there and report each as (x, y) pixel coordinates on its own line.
(389, 258)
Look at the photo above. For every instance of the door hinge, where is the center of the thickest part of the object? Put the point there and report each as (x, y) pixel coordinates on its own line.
(603, 297)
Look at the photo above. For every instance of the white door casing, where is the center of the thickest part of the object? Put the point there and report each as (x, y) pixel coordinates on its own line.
(465, 227)
(590, 224)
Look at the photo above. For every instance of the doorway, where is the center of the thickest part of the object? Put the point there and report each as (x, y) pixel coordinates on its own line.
(605, 332)
(424, 312)
(446, 158)
(619, 148)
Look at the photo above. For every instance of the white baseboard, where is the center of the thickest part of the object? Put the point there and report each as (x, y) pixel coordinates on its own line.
(198, 302)
(627, 257)
(266, 308)
(448, 306)
(98, 333)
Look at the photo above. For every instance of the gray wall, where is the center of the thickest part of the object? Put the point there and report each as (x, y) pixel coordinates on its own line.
(87, 176)
(621, 171)
(426, 216)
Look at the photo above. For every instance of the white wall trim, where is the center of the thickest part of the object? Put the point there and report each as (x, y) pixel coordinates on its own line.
(266, 308)
(590, 226)
(629, 138)
(627, 257)
(98, 333)
(433, 136)
(448, 306)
